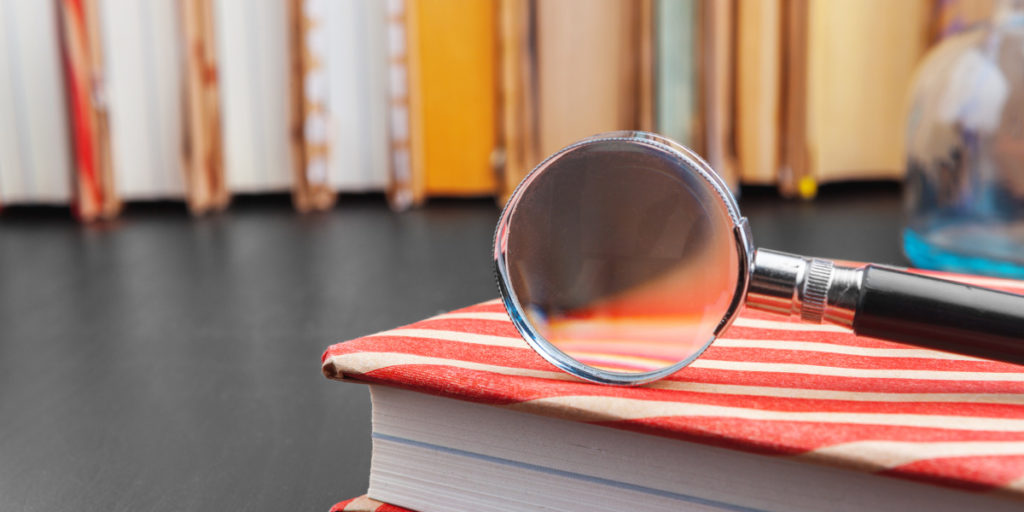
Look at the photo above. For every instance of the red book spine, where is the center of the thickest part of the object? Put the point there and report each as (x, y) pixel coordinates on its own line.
(95, 197)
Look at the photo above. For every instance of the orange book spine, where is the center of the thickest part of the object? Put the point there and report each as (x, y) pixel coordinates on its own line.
(206, 187)
(795, 177)
(719, 31)
(452, 96)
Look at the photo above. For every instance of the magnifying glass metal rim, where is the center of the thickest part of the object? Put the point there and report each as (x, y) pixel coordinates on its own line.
(688, 161)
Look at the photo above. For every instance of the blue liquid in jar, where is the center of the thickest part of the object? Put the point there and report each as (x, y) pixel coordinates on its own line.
(960, 223)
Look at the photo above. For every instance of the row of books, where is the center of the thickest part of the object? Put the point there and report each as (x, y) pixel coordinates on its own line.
(103, 101)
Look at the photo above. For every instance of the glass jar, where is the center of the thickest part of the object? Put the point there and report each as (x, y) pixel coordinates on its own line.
(964, 187)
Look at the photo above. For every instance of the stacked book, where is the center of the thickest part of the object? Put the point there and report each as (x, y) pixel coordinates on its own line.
(775, 416)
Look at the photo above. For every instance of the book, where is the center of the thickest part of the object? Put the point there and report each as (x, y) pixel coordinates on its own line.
(776, 415)
(339, 99)
(310, 86)
(252, 50)
(519, 148)
(795, 177)
(35, 165)
(835, 126)
(203, 151)
(645, 47)
(405, 189)
(364, 504)
(677, 33)
(451, 77)
(582, 93)
(143, 92)
(758, 90)
(855, 126)
(718, 77)
(357, 67)
(570, 69)
(95, 194)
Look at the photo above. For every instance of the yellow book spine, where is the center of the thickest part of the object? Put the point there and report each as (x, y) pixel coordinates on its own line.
(860, 63)
(453, 96)
(758, 94)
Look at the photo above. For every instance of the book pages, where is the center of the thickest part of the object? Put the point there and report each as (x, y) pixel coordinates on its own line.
(356, 63)
(252, 46)
(35, 155)
(144, 96)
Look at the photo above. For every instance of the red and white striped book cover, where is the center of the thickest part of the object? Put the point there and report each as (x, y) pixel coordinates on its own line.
(769, 386)
(365, 504)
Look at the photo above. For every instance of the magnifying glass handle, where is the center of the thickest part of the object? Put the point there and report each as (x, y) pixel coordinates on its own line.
(940, 314)
(890, 304)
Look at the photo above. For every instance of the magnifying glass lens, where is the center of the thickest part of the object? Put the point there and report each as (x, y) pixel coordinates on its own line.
(621, 256)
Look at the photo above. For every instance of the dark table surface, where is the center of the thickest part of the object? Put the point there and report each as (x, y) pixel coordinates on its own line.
(170, 363)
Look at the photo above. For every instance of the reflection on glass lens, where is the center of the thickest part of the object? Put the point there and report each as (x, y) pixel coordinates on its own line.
(622, 257)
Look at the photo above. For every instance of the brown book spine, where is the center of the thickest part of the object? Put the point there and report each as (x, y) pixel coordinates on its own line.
(718, 20)
(645, 65)
(795, 178)
(569, 111)
(403, 191)
(519, 145)
(203, 152)
(95, 195)
(311, 190)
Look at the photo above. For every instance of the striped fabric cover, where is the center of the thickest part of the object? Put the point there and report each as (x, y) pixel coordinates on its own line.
(364, 504)
(768, 386)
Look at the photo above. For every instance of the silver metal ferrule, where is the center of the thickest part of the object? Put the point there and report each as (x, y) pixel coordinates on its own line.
(816, 290)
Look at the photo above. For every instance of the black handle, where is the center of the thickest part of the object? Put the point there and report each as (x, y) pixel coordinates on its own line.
(941, 315)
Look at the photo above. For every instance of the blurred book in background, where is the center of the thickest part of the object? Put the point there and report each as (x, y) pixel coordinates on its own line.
(143, 88)
(759, 90)
(572, 69)
(861, 56)
(340, 95)
(677, 57)
(400, 190)
(35, 160)
(206, 189)
(253, 46)
(82, 51)
(309, 20)
(718, 22)
(207, 98)
(518, 147)
(587, 69)
(452, 86)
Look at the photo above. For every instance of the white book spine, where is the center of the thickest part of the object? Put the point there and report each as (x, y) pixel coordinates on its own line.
(357, 67)
(252, 47)
(35, 145)
(142, 51)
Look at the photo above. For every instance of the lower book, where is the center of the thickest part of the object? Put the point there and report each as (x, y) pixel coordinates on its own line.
(776, 416)
(365, 504)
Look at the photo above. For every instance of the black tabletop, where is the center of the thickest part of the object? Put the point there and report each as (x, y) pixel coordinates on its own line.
(169, 363)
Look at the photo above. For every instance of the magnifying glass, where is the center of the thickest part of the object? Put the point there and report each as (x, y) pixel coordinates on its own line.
(623, 256)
